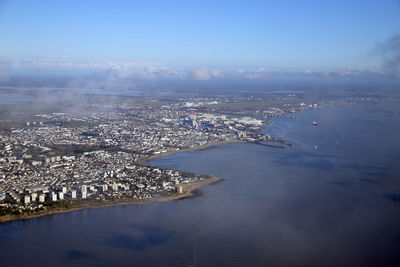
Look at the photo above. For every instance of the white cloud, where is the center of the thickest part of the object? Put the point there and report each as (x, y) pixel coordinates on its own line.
(201, 74)
(263, 70)
(128, 69)
(145, 70)
(217, 74)
(33, 64)
(118, 72)
(258, 74)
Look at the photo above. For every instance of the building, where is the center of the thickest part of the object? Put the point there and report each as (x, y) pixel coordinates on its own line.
(104, 187)
(60, 195)
(115, 187)
(73, 194)
(27, 200)
(180, 189)
(36, 163)
(84, 194)
(42, 198)
(53, 196)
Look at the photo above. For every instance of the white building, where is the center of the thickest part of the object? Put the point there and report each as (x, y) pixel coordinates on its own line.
(180, 189)
(60, 195)
(42, 198)
(36, 163)
(115, 187)
(73, 194)
(34, 196)
(53, 196)
(27, 200)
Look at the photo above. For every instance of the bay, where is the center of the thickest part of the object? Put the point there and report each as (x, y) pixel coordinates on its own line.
(333, 199)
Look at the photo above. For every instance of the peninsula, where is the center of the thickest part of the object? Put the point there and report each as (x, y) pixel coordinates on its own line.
(93, 153)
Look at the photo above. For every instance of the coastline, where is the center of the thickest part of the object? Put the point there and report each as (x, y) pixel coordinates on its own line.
(188, 192)
(188, 189)
(189, 149)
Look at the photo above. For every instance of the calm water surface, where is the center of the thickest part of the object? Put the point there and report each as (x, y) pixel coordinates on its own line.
(298, 206)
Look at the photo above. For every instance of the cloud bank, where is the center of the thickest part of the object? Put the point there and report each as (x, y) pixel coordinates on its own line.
(200, 74)
(390, 52)
(131, 74)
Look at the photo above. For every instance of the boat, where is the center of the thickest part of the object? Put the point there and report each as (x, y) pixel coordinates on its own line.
(315, 123)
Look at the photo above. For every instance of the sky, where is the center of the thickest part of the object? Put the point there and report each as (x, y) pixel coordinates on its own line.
(218, 34)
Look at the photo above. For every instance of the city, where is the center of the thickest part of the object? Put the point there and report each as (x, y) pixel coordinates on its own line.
(62, 160)
(199, 133)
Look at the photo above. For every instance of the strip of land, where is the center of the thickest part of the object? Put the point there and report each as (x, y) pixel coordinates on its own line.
(189, 149)
(187, 192)
(73, 161)
(188, 189)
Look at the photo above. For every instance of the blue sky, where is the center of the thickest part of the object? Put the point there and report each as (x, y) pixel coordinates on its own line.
(302, 34)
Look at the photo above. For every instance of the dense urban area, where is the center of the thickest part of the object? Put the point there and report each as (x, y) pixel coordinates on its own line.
(95, 153)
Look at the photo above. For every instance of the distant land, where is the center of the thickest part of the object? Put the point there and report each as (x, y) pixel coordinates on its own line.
(63, 149)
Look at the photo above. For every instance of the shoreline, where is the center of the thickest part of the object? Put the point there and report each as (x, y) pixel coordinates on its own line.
(189, 149)
(188, 192)
(188, 189)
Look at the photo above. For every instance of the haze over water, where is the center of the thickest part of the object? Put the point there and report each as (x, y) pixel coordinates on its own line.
(327, 205)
